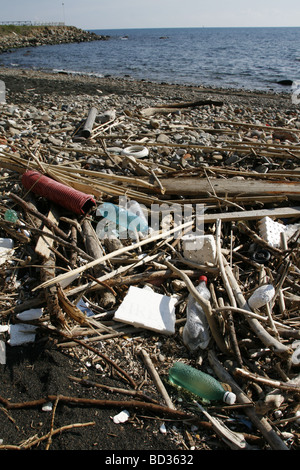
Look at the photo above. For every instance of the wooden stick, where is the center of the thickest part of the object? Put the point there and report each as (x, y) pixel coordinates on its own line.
(36, 441)
(114, 254)
(160, 386)
(289, 387)
(261, 333)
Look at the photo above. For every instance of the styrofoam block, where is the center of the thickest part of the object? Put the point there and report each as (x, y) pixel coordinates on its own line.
(144, 308)
(21, 334)
(200, 249)
(270, 231)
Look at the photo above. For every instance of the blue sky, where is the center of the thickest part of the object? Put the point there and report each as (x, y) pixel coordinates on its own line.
(109, 14)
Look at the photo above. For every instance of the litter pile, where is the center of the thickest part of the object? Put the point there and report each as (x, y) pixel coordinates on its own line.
(110, 212)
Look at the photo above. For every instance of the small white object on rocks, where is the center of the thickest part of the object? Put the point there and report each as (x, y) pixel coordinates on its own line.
(137, 151)
(122, 417)
(144, 308)
(163, 429)
(261, 296)
(48, 406)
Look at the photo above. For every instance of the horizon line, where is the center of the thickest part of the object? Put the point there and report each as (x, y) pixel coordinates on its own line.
(185, 27)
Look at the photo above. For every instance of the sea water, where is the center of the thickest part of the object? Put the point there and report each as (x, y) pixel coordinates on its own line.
(245, 58)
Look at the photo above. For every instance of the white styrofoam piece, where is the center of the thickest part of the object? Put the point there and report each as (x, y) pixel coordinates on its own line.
(270, 231)
(6, 249)
(32, 314)
(200, 249)
(21, 334)
(144, 308)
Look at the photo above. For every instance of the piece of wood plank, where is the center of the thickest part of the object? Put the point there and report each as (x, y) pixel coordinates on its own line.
(44, 244)
(194, 186)
(284, 212)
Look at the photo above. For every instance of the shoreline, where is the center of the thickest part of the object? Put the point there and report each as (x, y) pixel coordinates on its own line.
(19, 82)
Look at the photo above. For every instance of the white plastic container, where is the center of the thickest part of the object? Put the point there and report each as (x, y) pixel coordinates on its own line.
(261, 296)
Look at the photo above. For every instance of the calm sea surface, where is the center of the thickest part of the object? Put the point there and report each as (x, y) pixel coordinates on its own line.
(248, 58)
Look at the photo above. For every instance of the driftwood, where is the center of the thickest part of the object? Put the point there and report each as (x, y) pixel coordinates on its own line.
(47, 272)
(195, 186)
(92, 244)
(173, 107)
(261, 333)
(89, 123)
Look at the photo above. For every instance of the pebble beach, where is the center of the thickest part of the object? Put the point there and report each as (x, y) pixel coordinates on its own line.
(191, 131)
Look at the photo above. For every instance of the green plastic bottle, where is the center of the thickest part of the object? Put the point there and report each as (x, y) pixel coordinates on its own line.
(199, 383)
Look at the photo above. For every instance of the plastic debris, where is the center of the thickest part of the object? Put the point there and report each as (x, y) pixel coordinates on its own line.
(261, 296)
(144, 308)
(270, 231)
(200, 249)
(199, 383)
(21, 333)
(47, 406)
(121, 417)
(76, 201)
(196, 333)
(32, 314)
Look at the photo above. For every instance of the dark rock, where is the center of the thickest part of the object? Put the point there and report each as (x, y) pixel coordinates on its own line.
(285, 82)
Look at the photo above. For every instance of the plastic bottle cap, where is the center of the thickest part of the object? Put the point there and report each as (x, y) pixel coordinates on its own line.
(229, 398)
(203, 278)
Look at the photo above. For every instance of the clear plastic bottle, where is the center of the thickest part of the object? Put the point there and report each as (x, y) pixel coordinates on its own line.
(199, 383)
(196, 332)
(124, 219)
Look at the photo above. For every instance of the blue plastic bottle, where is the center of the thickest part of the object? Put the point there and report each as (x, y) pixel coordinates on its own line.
(123, 219)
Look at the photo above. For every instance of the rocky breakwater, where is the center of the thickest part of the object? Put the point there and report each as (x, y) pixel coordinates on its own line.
(31, 36)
